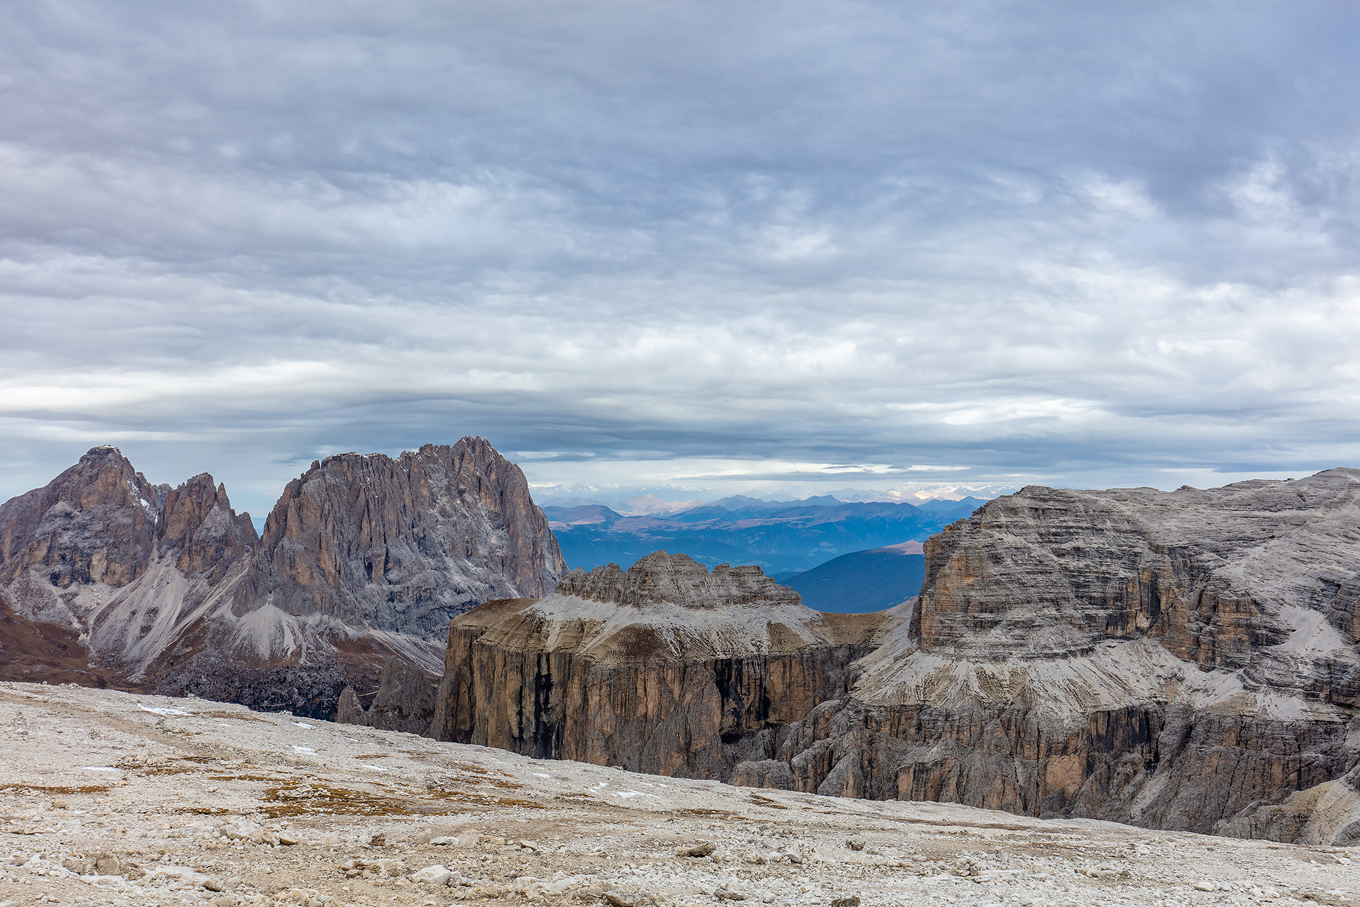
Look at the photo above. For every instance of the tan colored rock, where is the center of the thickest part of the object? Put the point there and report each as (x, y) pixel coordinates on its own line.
(666, 668)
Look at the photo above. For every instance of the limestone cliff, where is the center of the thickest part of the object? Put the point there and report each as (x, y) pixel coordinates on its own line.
(405, 701)
(1174, 660)
(664, 668)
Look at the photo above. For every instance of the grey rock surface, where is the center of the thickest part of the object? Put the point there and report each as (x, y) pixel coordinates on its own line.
(405, 701)
(403, 545)
(1177, 660)
(1174, 660)
(169, 589)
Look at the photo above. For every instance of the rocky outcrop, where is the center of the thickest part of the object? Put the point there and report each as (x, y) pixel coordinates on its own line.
(403, 545)
(363, 558)
(1174, 660)
(405, 701)
(1180, 660)
(666, 668)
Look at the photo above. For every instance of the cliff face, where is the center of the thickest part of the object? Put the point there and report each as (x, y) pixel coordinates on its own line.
(363, 558)
(1174, 660)
(403, 545)
(664, 668)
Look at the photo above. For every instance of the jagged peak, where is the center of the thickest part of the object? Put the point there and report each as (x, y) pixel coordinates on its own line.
(675, 579)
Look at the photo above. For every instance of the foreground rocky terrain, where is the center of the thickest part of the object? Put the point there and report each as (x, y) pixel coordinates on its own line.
(1173, 660)
(117, 581)
(109, 798)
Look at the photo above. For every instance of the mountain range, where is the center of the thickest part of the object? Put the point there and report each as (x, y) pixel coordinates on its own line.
(108, 579)
(1186, 660)
(777, 536)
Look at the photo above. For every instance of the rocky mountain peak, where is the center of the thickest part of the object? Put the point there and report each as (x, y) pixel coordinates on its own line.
(1211, 574)
(96, 522)
(661, 578)
(404, 544)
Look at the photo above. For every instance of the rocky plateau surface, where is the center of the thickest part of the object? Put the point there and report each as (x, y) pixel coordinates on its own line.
(122, 800)
(116, 581)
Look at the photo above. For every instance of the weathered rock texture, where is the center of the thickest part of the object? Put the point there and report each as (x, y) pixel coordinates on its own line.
(403, 545)
(664, 668)
(125, 565)
(169, 589)
(404, 702)
(1173, 660)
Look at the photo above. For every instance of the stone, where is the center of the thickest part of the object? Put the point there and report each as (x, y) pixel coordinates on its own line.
(436, 875)
(1072, 650)
(403, 545)
(106, 864)
(1181, 660)
(405, 700)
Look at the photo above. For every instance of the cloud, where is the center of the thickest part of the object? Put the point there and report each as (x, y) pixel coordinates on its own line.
(644, 242)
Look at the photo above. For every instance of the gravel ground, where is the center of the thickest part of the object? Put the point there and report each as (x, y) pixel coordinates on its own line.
(109, 798)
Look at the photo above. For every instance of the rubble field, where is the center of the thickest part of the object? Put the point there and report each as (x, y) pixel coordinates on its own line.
(111, 798)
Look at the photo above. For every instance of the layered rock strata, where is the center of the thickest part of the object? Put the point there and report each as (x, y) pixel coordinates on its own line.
(363, 558)
(665, 668)
(1173, 660)
(1180, 659)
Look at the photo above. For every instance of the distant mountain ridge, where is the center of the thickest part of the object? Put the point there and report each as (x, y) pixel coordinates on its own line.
(862, 581)
(778, 536)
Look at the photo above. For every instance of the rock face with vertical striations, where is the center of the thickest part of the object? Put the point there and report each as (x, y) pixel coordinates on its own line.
(362, 558)
(666, 667)
(403, 545)
(1176, 660)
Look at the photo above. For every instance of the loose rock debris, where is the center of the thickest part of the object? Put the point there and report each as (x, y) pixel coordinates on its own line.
(122, 800)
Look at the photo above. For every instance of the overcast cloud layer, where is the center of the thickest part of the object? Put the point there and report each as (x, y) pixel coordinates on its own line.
(736, 247)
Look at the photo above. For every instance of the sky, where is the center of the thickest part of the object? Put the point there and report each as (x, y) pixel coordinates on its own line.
(776, 248)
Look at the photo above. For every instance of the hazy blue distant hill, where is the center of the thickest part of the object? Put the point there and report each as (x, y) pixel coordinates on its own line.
(861, 581)
(778, 536)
